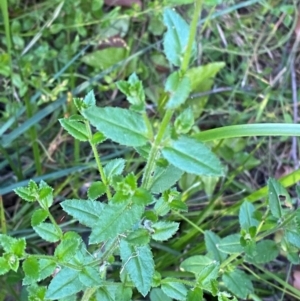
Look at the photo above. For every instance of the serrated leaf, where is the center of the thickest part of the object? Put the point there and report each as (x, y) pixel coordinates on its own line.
(224, 296)
(65, 283)
(174, 289)
(18, 247)
(179, 88)
(157, 294)
(293, 237)
(38, 216)
(113, 220)
(120, 125)
(4, 266)
(195, 264)
(25, 194)
(193, 157)
(207, 275)
(142, 197)
(138, 237)
(195, 295)
(36, 292)
(89, 99)
(106, 293)
(45, 195)
(114, 168)
(31, 270)
(164, 230)
(264, 252)
(66, 249)
(164, 178)
(12, 260)
(239, 283)
(176, 37)
(276, 191)
(230, 244)
(85, 211)
(184, 121)
(48, 232)
(138, 262)
(246, 216)
(90, 277)
(46, 268)
(98, 138)
(212, 240)
(96, 190)
(76, 129)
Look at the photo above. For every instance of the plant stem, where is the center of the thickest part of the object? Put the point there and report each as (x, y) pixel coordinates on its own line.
(98, 161)
(2, 217)
(149, 169)
(192, 35)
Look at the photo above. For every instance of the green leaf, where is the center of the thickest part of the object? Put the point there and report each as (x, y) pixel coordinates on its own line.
(224, 296)
(207, 274)
(176, 37)
(31, 270)
(38, 216)
(276, 193)
(123, 293)
(25, 194)
(164, 178)
(239, 283)
(65, 283)
(45, 195)
(76, 129)
(98, 138)
(138, 237)
(12, 260)
(185, 121)
(120, 125)
(138, 262)
(13, 245)
(115, 219)
(134, 91)
(89, 100)
(157, 294)
(48, 232)
(85, 211)
(230, 244)
(195, 295)
(293, 237)
(96, 190)
(195, 264)
(106, 293)
(246, 216)
(36, 293)
(193, 157)
(66, 249)
(173, 289)
(164, 230)
(264, 252)
(114, 168)
(179, 88)
(142, 197)
(4, 266)
(90, 277)
(212, 240)
(46, 268)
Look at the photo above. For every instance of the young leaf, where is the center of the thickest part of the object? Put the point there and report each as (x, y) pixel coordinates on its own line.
(179, 88)
(46, 268)
(192, 156)
(76, 129)
(265, 251)
(90, 277)
(65, 283)
(174, 289)
(230, 244)
(134, 91)
(138, 237)
(157, 294)
(138, 262)
(113, 220)
(207, 274)
(239, 283)
(164, 230)
(224, 296)
(48, 232)
(13, 245)
(142, 197)
(212, 240)
(106, 293)
(36, 292)
(195, 295)
(25, 194)
(195, 264)
(96, 190)
(38, 216)
(89, 100)
(176, 37)
(184, 121)
(66, 249)
(12, 260)
(293, 237)
(4, 266)
(276, 192)
(246, 216)
(45, 195)
(31, 270)
(85, 211)
(114, 168)
(164, 178)
(120, 125)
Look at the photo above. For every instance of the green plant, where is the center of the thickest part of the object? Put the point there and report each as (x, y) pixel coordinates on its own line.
(143, 207)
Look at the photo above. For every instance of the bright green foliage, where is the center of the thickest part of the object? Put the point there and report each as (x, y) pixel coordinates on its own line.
(184, 121)
(164, 230)
(114, 168)
(138, 262)
(76, 129)
(192, 156)
(120, 125)
(31, 269)
(38, 216)
(96, 190)
(48, 232)
(174, 289)
(239, 283)
(66, 249)
(195, 295)
(179, 88)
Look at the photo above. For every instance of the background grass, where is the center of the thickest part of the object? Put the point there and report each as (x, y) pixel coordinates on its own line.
(52, 51)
